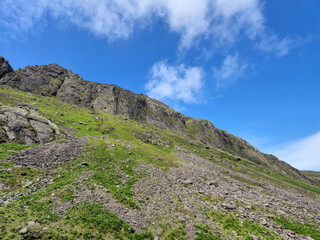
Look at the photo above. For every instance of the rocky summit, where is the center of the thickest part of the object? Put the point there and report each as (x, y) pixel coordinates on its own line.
(85, 160)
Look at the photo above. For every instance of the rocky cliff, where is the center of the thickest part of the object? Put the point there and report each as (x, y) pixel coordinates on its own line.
(54, 80)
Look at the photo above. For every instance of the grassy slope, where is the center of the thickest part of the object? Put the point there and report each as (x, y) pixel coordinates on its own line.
(89, 220)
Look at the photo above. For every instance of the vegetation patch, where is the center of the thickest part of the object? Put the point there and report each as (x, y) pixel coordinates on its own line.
(244, 228)
(100, 222)
(7, 149)
(206, 233)
(173, 233)
(299, 228)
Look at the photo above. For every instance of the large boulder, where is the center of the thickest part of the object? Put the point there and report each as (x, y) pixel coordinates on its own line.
(25, 126)
(4, 67)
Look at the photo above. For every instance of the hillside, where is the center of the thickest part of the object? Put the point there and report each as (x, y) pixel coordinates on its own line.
(84, 160)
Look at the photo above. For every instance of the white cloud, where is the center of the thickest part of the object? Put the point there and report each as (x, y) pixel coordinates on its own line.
(231, 70)
(272, 43)
(219, 21)
(175, 82)
(303, 154)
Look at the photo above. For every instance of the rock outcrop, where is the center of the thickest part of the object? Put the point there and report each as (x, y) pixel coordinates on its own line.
(53, 80)
(4, 67)
(208, 134)
(25, 126)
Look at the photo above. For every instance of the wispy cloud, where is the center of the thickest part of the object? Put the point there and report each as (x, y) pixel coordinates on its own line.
(303, 153)
(180, 82)
(231, 70)
(220, 21)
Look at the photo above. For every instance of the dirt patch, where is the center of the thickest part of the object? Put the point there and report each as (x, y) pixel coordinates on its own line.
(45, 156)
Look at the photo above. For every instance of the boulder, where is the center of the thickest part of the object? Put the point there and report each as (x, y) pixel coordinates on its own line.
(228, 206)
(25, 126)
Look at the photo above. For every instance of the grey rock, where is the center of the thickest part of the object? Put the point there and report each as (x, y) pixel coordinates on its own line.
(44, 131)
(24, 230)
(228, 206)
(4, 187)
(264, 222)
(33, 224)
(188, 182)
(4, 67)
(309, 238)
(25, 126)
(82, 123)
(27, 184)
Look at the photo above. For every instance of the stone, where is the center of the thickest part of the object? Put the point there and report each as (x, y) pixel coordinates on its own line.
(228, 206)
(309, 238)
(24, 230)
(188, 182)
(25, 126)
(33, 224)
(27, 184)
(82, 123)
(4, 187)
(84, 164)
(264, 222)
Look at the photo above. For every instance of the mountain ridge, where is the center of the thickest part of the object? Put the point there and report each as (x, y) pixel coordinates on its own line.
(54, 80)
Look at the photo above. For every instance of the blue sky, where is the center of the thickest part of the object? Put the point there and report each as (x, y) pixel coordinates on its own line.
(249, 66)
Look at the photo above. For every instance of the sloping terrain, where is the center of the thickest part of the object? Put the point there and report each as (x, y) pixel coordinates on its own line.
(124, 166)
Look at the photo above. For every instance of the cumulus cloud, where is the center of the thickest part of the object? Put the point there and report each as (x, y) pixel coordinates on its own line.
(303, 154)
(219, 21)
(175, 82)
(231, 70)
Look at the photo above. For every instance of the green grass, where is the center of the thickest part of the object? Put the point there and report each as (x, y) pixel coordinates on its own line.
(101, 222)
(7, 149)
(299, 228)
(15, 177)
(109, 170)
(43, 211)
(245, 228)
(173, 233)
(297, 183)
(206, 233)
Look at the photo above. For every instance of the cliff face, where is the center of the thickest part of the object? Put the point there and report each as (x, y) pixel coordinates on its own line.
(54, 80)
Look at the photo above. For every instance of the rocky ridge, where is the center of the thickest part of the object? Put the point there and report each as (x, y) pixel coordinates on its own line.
(54, 80)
